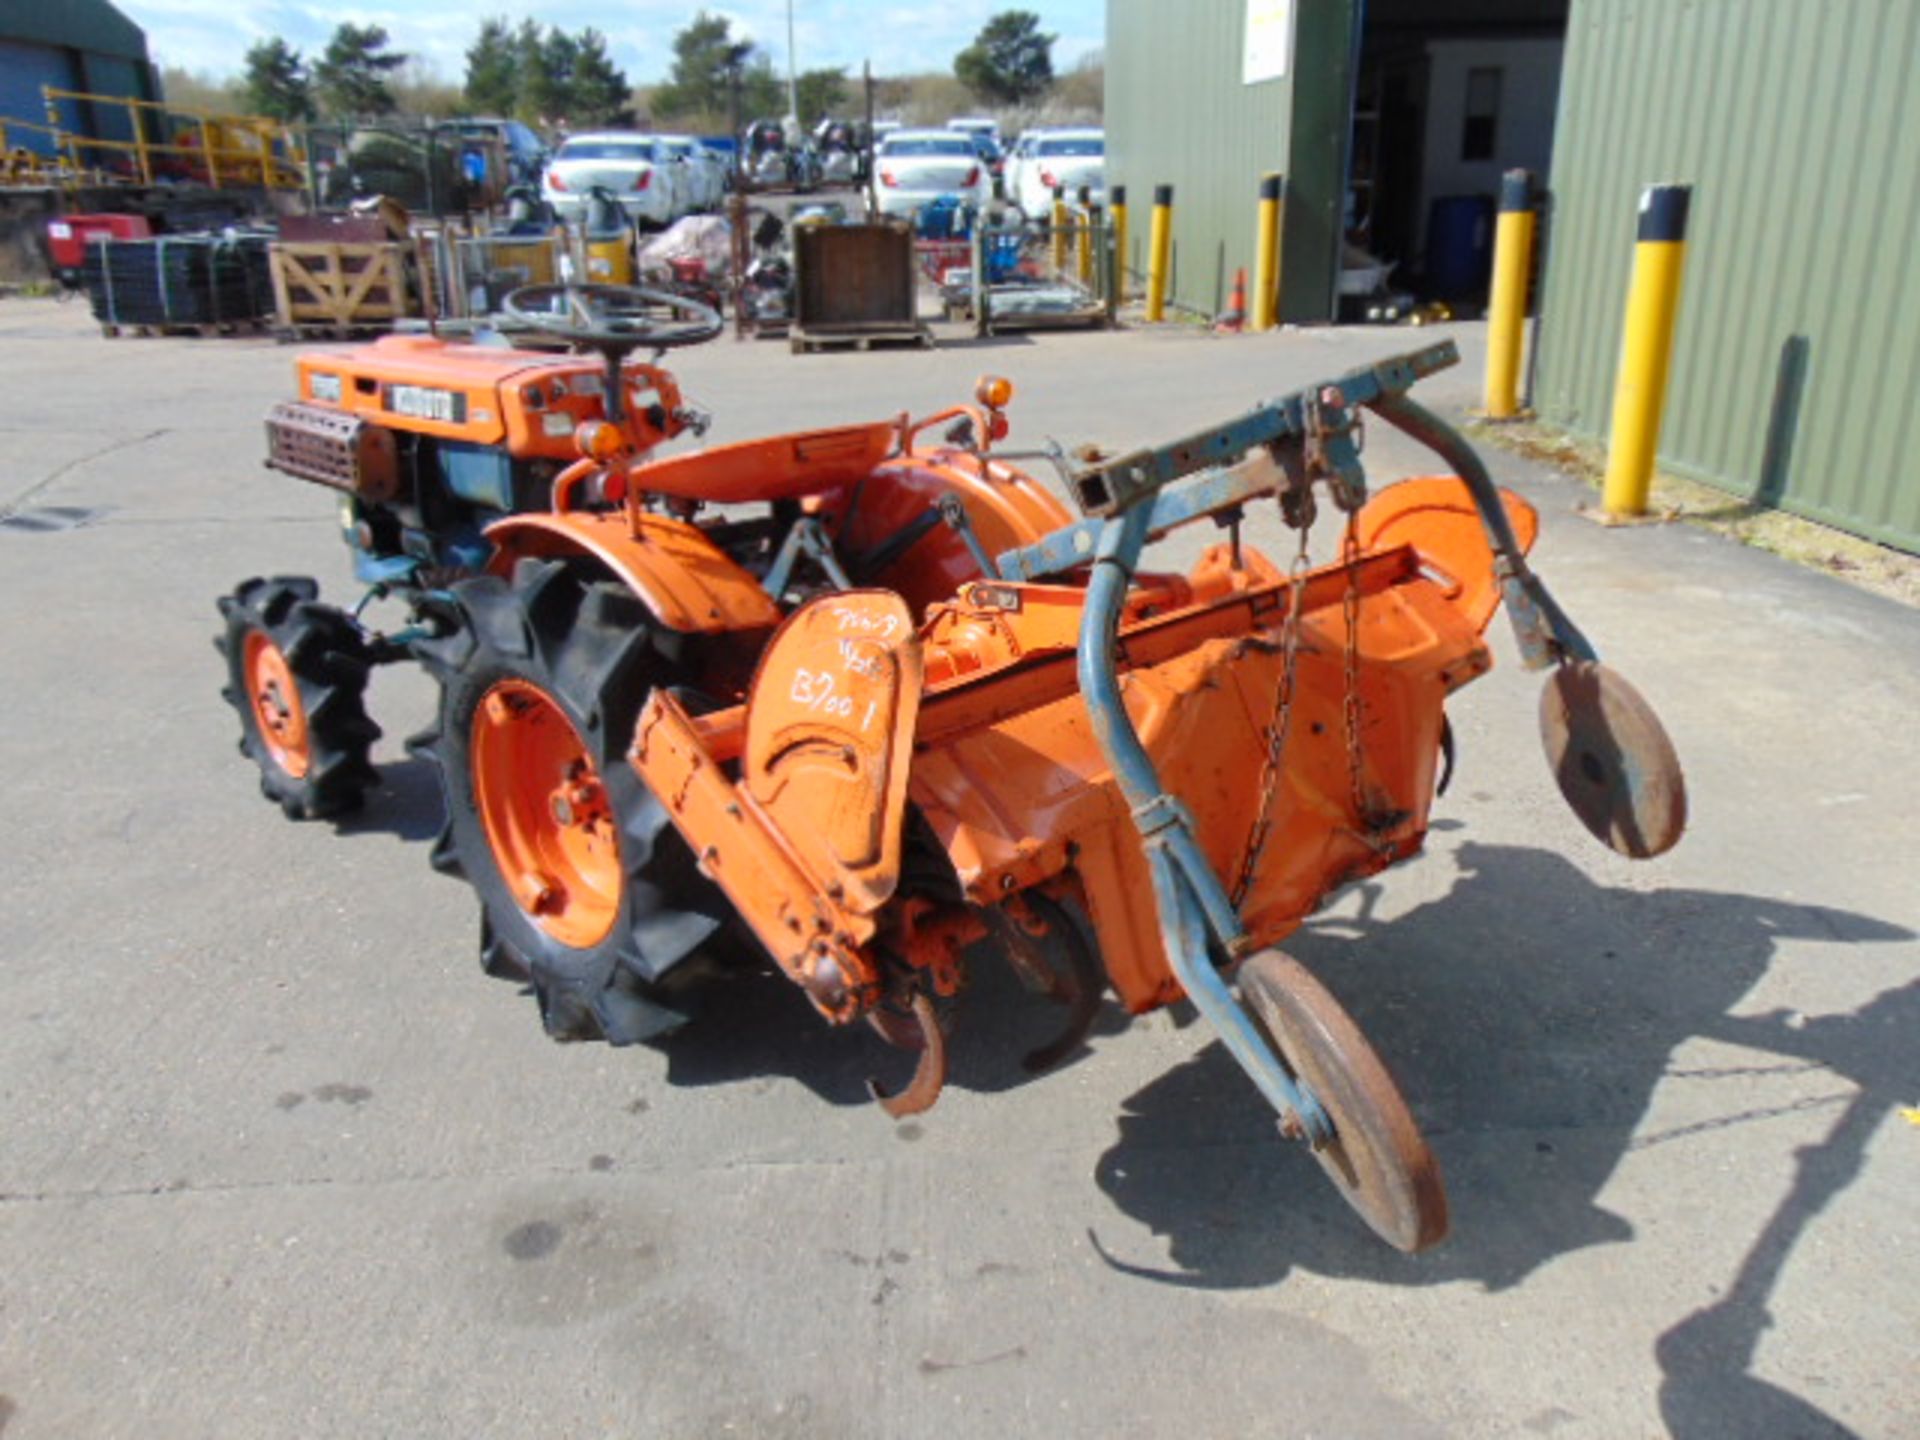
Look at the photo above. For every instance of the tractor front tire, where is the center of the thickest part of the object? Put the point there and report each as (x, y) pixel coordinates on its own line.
(297, 676)
(587, 891)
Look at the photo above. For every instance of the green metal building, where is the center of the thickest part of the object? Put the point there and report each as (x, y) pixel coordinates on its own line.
(1180, 111)
(1797, 124)
(1797, 351)
(1375, 111)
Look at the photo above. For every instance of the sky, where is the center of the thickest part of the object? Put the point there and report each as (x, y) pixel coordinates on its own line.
(211, 36)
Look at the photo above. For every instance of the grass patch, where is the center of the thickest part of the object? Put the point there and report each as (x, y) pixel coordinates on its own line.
(1676, 500)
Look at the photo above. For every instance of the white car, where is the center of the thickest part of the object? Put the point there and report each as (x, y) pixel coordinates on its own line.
(705, 173)
(1045, 158)
(648, 186)
(912, 167)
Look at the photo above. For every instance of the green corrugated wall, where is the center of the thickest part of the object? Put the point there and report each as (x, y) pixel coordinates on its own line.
(1176, 113)
(1796, 375)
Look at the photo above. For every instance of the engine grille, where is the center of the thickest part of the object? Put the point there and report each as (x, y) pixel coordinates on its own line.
(334, 449)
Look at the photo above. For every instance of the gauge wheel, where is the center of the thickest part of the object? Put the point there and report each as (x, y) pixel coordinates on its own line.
(1376, 1158)
(587, 891)
(297, 677)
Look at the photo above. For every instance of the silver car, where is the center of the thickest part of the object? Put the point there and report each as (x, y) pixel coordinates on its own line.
(704, 172)
(912, 167)
(647, 184)
(1046, 158)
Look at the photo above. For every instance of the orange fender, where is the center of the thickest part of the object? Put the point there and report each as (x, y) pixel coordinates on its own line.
(778, 467)
(687, 581)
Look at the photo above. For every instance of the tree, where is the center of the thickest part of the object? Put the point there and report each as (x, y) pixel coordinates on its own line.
(351, 75)
(276, 82)
(1081, 92)
(599, 88)
(1010, 61)
(706, 60)
(493, 69)
(821, 92)
(546, 73)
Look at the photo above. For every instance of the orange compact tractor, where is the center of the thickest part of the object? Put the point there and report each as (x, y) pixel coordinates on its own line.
(873, 701)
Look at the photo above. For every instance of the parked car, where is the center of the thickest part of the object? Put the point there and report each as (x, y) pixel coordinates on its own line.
(1046, 158)
(976, 125)
(633, 166)
(915, 166)
(526, 152)
(990, 153)
(705, 173)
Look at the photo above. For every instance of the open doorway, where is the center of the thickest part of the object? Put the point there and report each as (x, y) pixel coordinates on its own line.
(1448, 95)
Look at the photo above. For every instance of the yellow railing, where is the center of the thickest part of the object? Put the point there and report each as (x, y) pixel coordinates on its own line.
(20, 165)
(229, 149)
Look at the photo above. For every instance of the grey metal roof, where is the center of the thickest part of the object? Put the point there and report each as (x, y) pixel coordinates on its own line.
(92, 25)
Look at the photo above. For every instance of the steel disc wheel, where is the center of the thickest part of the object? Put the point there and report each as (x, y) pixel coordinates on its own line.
(546, 814)
(1376, 1158)
(1612, 759)
(277, 710)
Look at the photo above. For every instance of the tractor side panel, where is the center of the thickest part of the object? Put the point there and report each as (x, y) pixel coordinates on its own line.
(830, 739)
(687, 581)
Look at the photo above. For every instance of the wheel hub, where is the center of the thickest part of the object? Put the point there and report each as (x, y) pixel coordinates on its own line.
(277, 712)
(554, 843)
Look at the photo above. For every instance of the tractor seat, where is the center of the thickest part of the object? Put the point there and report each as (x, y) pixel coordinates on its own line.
(778, 467)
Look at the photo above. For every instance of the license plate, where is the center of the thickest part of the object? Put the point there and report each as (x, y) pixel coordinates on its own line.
(423, 403)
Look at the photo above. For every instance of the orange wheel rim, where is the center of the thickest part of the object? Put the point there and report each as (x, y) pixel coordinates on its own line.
(277, 712)
(546, 814)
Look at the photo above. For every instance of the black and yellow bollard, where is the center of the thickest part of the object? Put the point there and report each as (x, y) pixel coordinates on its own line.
(1083, 236)
(1118, 197)
(1266, 255)
(1057, 230)
(1507, 306)
(1159, 253)
(1640, 389)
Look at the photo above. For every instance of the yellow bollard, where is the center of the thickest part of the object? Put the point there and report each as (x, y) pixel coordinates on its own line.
(1640, 390)
(1118, 198)
(1266, 255)
(1507, 307)
(1057, 229)
(1083, 237)
(1159, 252)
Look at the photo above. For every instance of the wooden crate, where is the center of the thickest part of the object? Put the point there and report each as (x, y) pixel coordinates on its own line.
(338, 286)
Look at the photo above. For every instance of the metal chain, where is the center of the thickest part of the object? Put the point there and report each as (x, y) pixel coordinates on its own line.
(1350, 703)
(1277, 724)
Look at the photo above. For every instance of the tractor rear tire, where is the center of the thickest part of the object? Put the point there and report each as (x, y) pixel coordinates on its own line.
(297, 675)
(587, 891)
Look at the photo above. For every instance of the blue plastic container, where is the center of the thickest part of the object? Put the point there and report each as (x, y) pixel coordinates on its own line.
(1459, 246)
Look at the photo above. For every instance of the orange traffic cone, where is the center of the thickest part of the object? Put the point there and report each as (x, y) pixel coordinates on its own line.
(1234, 318)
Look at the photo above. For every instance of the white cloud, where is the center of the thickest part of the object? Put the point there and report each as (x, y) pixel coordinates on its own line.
(213, 35)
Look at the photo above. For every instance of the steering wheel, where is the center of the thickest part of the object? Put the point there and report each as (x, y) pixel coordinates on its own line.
(614, 320)
(605, 316)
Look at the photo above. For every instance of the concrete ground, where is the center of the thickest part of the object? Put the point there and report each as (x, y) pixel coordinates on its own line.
(279, 1161)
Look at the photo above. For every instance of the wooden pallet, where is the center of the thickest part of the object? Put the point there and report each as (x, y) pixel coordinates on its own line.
(861, 338)
(338, 285)
(294, 334)
(222, 328)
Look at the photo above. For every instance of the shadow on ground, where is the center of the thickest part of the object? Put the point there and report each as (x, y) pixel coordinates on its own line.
(754, 1022)
(1528, 1016)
